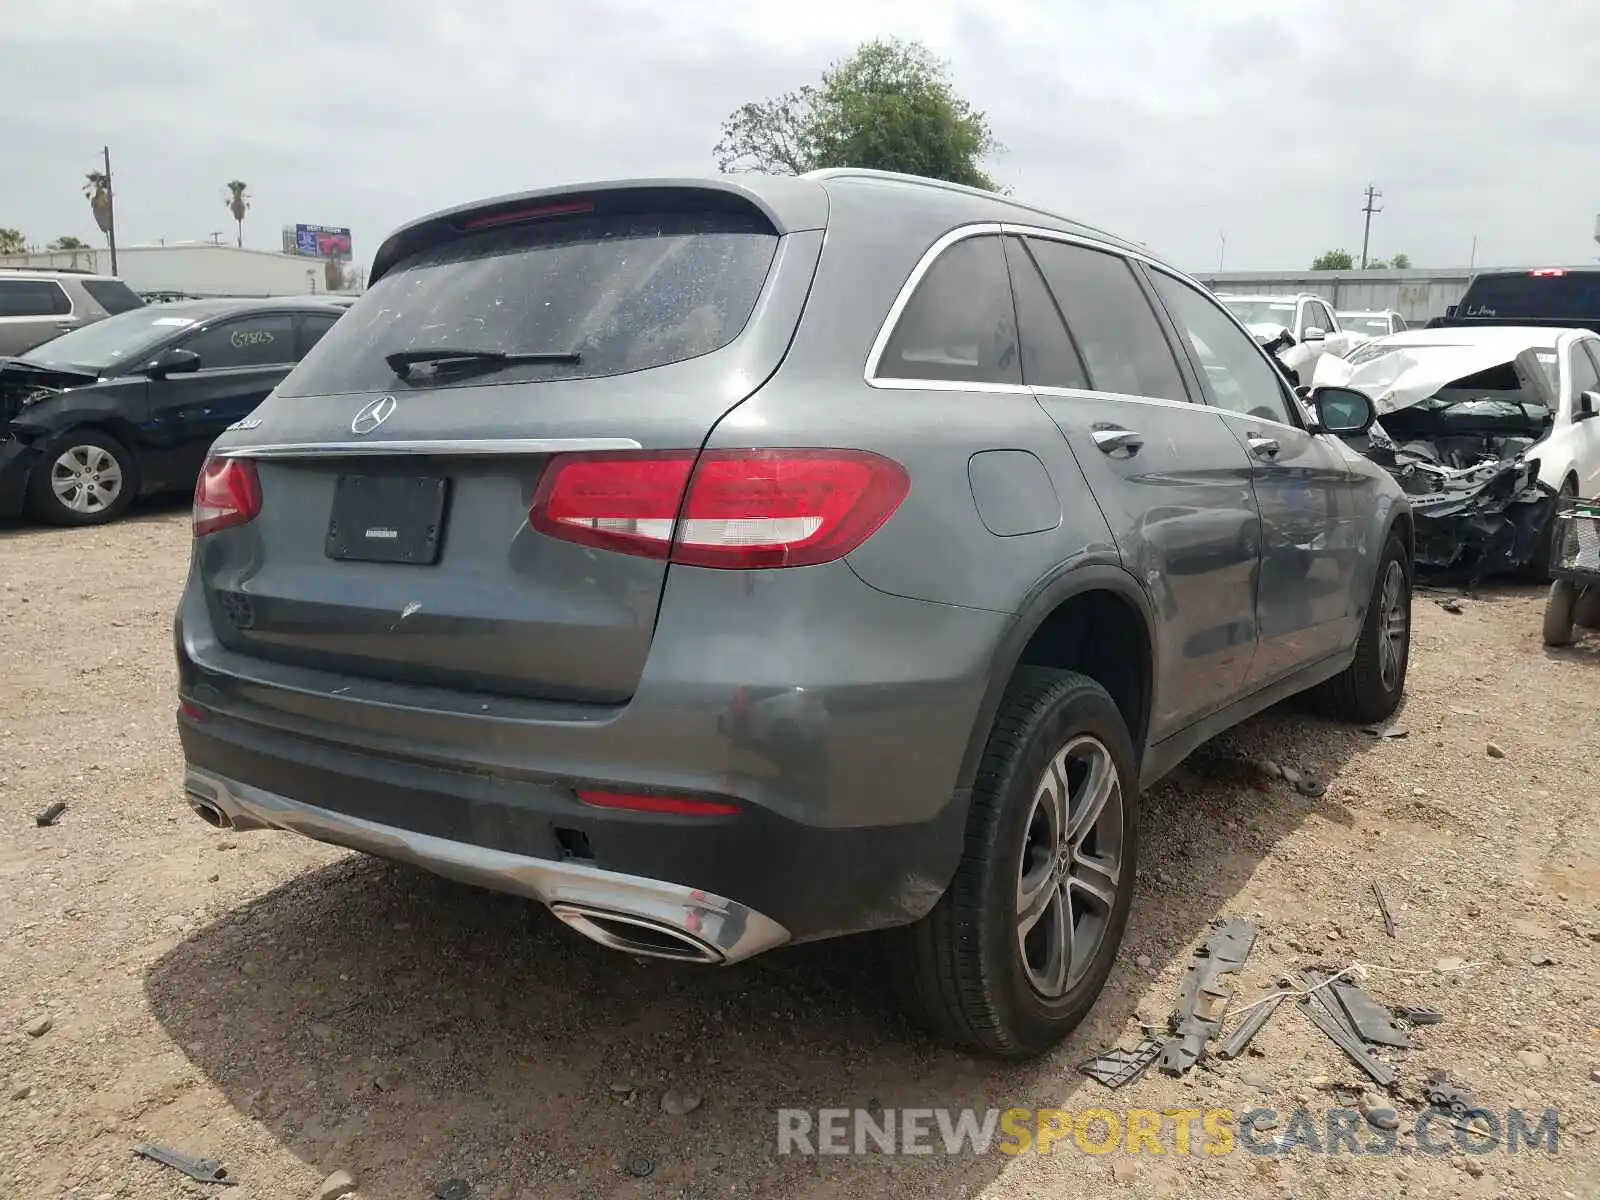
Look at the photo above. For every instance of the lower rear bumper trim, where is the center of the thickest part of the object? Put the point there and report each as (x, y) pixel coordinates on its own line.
(581, 895)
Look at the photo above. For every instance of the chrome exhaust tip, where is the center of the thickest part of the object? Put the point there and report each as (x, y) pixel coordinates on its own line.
(210, 813)
(636, 935)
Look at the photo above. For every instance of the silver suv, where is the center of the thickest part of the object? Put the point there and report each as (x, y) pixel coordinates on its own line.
(744, 561)
(37, 305)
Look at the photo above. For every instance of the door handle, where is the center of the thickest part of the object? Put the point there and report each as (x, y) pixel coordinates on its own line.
(1111, 441)
(1262, 447)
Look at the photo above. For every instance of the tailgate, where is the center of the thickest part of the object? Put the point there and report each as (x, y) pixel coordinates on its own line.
(392, 536)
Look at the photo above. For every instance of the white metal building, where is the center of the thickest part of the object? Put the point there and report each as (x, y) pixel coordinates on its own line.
(198, 269)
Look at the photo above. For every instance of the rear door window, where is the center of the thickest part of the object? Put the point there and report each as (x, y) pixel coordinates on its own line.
(960, 324)
(112, 295)
(625, 292)
(1049, 359)
(1584, 376)
(260, 341)
(33, 298)
(1111, 320)
(313, 328)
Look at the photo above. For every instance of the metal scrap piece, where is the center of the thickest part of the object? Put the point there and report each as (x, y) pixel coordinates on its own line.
(1370, 1020)
(1383, 908)
(1251, 1025)
(1326, 1016)
(206, 1170)
(1418, 1015)
(50, 815)
(1444, 1094)
(1203, 998)
(1118, 1066)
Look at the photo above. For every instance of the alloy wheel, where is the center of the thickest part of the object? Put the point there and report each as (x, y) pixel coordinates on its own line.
(1070, 866)
(86, 479)
(1393, 621)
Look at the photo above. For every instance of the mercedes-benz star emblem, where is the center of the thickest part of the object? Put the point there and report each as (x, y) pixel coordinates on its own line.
(373, 415)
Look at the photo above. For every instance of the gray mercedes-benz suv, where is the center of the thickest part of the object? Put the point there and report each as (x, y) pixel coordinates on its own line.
(740, 561)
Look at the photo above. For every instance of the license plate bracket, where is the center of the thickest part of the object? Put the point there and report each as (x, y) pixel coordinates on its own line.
(387, 519)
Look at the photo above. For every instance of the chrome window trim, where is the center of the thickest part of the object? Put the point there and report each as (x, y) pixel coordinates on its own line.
(989, 229)
(470, 447)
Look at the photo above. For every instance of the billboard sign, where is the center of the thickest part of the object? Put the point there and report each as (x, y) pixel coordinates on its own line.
(317, 241)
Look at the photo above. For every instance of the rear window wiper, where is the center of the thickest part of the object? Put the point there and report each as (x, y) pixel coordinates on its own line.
(401, 361)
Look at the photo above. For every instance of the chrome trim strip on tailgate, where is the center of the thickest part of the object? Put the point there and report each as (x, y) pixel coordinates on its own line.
(470, 447)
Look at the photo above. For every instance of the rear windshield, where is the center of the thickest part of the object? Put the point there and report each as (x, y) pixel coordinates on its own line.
(1574, 295)
(624, 292)
(112, 295)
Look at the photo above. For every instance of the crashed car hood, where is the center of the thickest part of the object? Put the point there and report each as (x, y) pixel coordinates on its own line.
(1399, 377)
(22, 382)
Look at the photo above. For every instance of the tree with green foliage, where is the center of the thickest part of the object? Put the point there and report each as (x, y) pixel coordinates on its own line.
(68, 243)
(1333, 260)
(890, 106)
(1401, 262)
(12, 242)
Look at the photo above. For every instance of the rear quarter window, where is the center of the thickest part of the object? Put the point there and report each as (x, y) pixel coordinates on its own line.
(625, 292)
(112, 295)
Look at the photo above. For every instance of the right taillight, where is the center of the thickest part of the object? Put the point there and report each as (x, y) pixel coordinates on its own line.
(228, 493)
(734, 509)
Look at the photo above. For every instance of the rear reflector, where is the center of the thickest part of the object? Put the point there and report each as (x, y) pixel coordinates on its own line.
(676, 805)
(743, 509)
(228, 493)
(193, 711)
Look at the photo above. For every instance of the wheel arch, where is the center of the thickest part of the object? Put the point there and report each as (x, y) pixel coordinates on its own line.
(1052, 629)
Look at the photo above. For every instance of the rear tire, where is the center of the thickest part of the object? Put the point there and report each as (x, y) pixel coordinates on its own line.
(83, 477)
(1372, 686)
(1053, 830)
(1586, 609)
(1559, 613)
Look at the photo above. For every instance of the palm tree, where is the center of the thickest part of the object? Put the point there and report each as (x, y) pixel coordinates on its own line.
(12, 242)
(238, 204)
(98, 191)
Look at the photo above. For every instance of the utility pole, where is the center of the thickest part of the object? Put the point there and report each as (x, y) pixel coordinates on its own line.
(1223, 253)
(1366, 233)
(1473, 261)
(111, 211)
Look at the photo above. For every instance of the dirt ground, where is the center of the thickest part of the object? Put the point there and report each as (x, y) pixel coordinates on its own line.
(293, 1010)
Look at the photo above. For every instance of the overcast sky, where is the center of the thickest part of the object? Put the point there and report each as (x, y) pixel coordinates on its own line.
(1263, 121)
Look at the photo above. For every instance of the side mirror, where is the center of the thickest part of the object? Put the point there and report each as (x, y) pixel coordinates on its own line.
(173, 362)
(1343, 411)
(1314, 333)
(1588, 405)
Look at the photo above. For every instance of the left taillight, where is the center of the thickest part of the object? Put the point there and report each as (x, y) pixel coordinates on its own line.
(228, 493)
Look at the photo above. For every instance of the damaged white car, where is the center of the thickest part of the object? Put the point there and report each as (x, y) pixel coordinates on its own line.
(1300, 330)
(1483, 428)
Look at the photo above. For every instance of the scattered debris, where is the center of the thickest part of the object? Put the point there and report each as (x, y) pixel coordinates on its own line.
(1386, 731)
(39, 1026)
(1203, 998)
(1378, 1115)
(1326, 1015)
(1445, 1095)
(340, 1183)
(1371, 1022)
(50, 815)
(1494, 751)
(1260, 1014)
(1451, 605)
(206, 1170)
(1383, 907)
(677, 1103)
(1418, 1015)
(641, 1167)
(453, 1189)
(1304, 784)
(1543, 960)
(1118, 1066)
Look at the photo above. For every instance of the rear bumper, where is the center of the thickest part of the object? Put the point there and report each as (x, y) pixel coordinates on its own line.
(604, 905)
(839, 731)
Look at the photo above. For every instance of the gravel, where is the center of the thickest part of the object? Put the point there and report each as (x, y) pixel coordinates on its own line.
(497, 1035)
